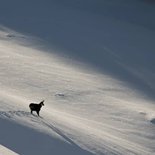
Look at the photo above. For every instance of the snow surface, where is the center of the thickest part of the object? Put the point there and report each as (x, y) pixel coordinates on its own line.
(4, 150)
(96, 77)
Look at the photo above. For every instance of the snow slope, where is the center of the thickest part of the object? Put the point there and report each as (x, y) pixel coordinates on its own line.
(115, 36)
(95, 102)
(85, 112)
(4, 150)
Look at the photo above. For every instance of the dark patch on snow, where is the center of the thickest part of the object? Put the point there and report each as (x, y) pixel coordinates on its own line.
(153, 121)
(60, 95)
(10, 35)
(76, 93)
(142, 113)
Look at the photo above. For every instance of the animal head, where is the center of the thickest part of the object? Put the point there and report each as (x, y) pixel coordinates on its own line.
(42, 103)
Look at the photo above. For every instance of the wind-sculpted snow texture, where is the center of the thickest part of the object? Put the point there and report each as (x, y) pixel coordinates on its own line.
(115, 36)
(92, 63)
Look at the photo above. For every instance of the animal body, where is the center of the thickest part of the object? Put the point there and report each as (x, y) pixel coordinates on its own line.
(36, 107)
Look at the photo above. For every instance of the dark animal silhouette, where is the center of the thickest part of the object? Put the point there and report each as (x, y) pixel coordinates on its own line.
(36, 107)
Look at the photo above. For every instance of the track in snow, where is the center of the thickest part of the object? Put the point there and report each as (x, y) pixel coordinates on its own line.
(103, 138)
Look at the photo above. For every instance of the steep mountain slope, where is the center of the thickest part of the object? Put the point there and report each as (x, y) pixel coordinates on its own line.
(93, 64)
(85, 112)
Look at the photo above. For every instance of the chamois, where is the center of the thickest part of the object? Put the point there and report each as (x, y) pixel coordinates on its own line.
(36, 107)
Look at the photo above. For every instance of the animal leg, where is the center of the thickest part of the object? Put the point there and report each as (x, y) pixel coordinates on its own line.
(38, 113)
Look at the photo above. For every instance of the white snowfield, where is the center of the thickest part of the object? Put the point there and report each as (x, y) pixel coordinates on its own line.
(4, 150)
(97, 81)
(85, 112)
